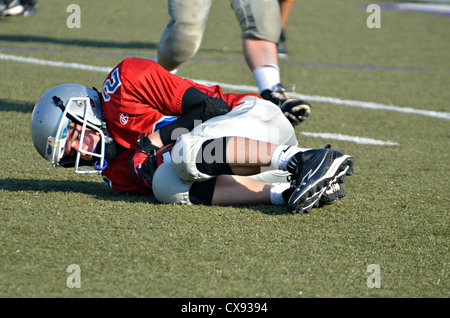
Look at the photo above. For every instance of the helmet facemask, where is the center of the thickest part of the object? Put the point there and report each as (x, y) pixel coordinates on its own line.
(80, 111)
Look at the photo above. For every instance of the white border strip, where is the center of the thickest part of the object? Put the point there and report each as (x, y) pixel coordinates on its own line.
(246, 88)
(355, 139)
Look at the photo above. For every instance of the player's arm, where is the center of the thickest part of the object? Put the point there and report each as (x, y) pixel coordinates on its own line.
(196, 108)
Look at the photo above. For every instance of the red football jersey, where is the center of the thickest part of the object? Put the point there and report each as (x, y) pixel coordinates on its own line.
(138, 97)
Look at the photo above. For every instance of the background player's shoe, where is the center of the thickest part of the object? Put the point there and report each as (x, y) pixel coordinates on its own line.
(18, 7)
(281, 45)
(3, 6)
(295, 110)
(314, 172)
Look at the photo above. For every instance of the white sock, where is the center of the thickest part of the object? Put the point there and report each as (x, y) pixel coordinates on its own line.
(266, 77)
(282, 154)
(276, 191)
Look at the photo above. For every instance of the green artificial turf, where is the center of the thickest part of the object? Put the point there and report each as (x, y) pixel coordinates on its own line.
(395, 214)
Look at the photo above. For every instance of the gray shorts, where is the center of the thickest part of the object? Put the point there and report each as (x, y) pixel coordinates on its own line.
(255, 118)
(183, 34)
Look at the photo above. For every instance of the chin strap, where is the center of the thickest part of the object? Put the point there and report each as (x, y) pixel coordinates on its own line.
(60, 104)
(97, 163)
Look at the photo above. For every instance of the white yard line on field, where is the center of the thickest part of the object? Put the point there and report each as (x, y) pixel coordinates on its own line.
(338, 101)
(254, 89)
(32, 60)
(355, 139)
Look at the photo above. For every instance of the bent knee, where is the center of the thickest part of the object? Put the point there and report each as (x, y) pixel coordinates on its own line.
(182, 37)
(168, 187)
(178, 47)
(184, 158)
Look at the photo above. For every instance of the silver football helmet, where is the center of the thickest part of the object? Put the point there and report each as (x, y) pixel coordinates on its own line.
(50, 121)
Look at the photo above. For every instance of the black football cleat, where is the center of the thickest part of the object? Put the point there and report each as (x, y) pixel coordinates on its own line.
(332, 193)
(314, 172)
(295, 110)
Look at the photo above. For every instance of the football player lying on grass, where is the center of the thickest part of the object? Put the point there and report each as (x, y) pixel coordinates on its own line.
(150, 131)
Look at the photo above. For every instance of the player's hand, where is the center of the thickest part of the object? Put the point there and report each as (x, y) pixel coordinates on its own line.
(143, 162)
(143, 166)
(146, 160)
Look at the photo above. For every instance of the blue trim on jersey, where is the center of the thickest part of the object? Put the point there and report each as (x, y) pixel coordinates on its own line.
(107, 181)
(164, 121)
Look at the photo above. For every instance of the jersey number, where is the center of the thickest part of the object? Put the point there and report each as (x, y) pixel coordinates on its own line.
(111, 85)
